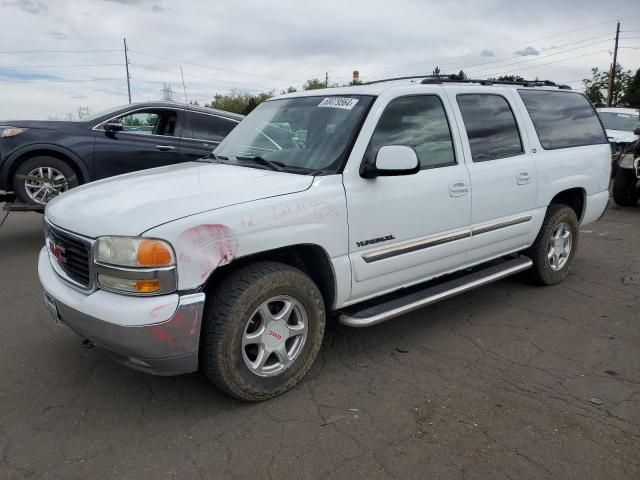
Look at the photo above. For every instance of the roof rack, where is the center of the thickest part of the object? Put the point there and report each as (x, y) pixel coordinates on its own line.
(454, 78)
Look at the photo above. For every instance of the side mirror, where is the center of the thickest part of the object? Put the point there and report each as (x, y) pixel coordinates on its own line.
(113, 127)
(636, 131)
(391, 161)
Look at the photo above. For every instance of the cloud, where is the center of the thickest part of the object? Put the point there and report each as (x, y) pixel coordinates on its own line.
(157, 9)
(487, 53)
(527, 51)
(79, 96)
(26, 76)
(30, 6)
(58, 35)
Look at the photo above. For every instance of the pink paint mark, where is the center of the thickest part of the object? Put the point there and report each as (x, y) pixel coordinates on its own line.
(207, 247)
(160, 335)
(155, 312)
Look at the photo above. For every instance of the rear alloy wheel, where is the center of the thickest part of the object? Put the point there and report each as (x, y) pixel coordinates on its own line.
(40, 179)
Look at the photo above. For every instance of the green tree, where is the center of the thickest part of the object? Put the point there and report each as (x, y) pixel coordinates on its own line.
(510, 78)
(631, 97)
(596, 88)
(238, 102)
(313, 84)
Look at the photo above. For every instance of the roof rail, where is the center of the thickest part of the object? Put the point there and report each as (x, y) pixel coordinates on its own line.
(454, 78)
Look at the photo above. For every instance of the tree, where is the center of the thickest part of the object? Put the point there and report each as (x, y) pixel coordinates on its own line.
(510, 78)
(313, 84)
(631, 96)
(238, 102)
(436, 72)
(596, 88)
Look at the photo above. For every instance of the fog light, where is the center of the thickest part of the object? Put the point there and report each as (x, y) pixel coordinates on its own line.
(128, 285)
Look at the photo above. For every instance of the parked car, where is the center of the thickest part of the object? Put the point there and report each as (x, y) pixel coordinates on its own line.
(626, 182)
(619, 124)
(374, 201)
(40, 159)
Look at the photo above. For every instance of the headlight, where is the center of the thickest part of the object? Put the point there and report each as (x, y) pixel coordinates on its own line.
(626, 161)
(6, 131)
(134, 252)
(134, 265)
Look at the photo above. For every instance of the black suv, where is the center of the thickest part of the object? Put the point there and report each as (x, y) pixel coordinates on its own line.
(39, 159)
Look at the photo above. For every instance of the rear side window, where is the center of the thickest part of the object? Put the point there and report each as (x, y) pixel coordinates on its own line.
(419, 122)
(491, 127)
(210, 127)
(563, 119)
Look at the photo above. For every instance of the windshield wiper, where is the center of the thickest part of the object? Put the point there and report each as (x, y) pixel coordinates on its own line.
(211, 157)
(277, 166)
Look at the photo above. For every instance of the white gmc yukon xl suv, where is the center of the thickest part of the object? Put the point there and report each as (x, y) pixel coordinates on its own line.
(365, 202)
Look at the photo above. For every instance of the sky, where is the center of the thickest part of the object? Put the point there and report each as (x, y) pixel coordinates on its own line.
(57, 56)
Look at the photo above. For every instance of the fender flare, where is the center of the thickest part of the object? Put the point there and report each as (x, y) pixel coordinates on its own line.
(9, 165)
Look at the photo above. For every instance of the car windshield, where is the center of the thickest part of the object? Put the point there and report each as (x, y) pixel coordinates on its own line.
(619, 121)
(308, 135)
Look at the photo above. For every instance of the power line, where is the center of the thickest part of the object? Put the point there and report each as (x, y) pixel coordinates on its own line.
(61, 81)
(208, 66)
(64, 66)
(20, 52)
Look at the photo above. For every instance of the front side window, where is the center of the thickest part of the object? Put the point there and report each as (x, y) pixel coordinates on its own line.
(563, 119)
(418, 122)
(625, 122)
(491, 127)
(210, 127)
(308, 135)
(149, 122)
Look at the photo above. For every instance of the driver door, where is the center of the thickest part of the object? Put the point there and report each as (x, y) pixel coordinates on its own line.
(407, 229)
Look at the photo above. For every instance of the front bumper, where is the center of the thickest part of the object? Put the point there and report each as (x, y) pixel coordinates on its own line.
(158, 335)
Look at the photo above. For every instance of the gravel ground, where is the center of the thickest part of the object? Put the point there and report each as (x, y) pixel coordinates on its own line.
(508, 381)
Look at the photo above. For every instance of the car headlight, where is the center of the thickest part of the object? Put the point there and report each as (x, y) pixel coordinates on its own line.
(626, 161)
(6, 131)
(135, 265)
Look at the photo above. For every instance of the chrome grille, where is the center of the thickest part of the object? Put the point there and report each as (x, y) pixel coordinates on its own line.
(72, 255)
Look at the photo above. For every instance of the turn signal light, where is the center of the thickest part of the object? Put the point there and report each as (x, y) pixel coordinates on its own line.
(147, 286)
(153, 253)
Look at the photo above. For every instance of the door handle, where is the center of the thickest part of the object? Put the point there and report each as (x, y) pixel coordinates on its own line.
(165, 148)
(523, 178)
(458, 189)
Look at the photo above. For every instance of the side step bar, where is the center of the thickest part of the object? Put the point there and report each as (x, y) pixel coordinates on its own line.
(397, 306)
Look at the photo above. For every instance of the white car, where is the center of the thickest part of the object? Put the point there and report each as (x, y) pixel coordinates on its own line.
(388, 197)
(619, 124)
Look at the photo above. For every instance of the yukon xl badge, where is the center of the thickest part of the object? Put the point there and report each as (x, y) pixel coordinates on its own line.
(371, 241)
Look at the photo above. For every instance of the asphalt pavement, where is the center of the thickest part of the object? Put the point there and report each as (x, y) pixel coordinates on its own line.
(508, 381)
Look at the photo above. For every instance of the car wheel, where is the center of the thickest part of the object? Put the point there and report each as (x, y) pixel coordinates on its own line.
(553, 251)
(262, 330)
(624, 192)
(39, 179)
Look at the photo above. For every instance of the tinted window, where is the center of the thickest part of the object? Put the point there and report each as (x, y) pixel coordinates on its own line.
(491, 127)
(209, 127)
(418, 122)
(563, 119)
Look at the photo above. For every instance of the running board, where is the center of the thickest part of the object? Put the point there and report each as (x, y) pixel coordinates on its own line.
(372, 314)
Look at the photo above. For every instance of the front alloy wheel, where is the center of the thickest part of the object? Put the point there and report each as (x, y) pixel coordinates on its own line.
(560, 244)
(274, 336)
(43, 183)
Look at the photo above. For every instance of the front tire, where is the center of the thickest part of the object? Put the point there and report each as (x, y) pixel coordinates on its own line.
(262, 330)
(554, 249)
(624, 192)
(39, 179)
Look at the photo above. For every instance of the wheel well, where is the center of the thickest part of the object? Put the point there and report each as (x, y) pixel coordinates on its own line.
(49, 153)
(311, 259)
(574, 198)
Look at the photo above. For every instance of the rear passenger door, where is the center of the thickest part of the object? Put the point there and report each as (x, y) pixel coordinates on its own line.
(205, 131)
(502, 171)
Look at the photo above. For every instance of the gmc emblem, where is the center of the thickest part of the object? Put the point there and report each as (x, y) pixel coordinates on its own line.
(57, 251)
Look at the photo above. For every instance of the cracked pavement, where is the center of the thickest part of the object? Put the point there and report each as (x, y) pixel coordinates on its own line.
(507, 381)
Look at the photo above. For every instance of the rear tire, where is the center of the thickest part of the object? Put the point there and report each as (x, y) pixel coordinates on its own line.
(557, 242)
(624, 192)
(245, 315)
(39, 179)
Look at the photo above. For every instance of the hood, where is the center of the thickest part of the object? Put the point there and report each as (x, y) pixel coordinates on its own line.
(621, 136)
(46, 125)
(133, 203)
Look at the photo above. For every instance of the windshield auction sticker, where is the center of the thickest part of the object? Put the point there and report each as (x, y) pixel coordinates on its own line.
(339, 102)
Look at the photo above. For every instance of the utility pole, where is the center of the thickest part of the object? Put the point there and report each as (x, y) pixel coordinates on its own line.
(326, 80)
(183, 86)
(612, 72)
(126, 64)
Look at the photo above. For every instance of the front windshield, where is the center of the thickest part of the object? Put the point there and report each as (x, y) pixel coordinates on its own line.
(619, 121)
(302, 135)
